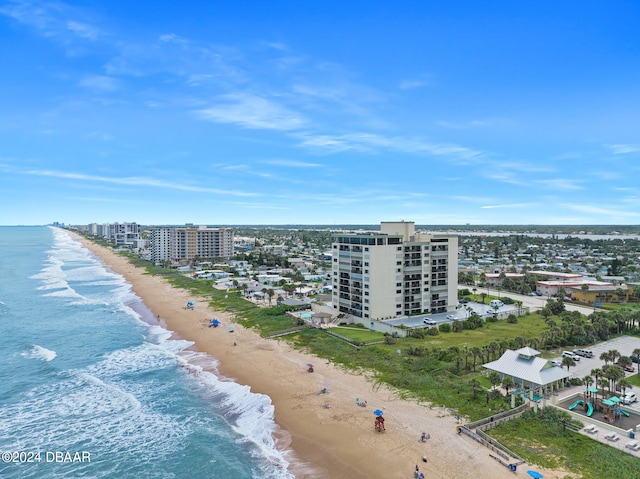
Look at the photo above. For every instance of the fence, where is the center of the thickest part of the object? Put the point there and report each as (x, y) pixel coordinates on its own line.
(489, 423)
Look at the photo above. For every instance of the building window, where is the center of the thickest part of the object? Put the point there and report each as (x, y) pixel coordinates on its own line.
(366, 263)
(398, 284)
(366, 293)
(366, 308)
(398, 291)
(398, 263)
(366, 249)
(398, 306)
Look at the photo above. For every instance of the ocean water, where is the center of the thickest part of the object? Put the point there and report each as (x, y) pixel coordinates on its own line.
(92, 387)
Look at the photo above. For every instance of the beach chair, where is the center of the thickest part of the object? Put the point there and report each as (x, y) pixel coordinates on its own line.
(612, 436)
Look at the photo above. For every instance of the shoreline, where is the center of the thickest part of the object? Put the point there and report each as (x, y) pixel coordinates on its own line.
(339, 442)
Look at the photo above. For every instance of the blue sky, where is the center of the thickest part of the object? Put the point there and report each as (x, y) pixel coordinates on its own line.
(320, 112)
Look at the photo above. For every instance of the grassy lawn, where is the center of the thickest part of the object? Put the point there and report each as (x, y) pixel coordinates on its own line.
(360, 335)
(544, 442)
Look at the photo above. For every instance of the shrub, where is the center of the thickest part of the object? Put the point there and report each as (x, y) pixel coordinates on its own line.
(434, 331)
(512, 319)
(456, 326)
(445, 328)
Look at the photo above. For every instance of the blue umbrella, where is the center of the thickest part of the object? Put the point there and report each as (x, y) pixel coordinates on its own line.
(535, 474)
(191, 303)
(377, 412)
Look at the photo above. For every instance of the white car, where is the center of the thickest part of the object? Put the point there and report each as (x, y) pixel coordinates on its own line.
(429, 322)
(451, 316)
(555, 363)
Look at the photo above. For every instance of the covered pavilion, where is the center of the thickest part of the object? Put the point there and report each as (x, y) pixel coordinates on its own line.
(530, 373)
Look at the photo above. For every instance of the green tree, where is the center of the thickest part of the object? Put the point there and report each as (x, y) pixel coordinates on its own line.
(475, 385)
(494, 378)
(507, 383)
(568, 362)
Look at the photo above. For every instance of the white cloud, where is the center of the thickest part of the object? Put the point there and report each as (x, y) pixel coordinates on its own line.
(251, 111)
(368, 142)
(100, 82)
(560, 184)
(512, 205)
(292, 163)
(621, 149)
(598, 210)
(410, 84)
(137, 181)
(83, 30)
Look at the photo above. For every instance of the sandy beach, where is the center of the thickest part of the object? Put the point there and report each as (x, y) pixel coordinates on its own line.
(338, 442)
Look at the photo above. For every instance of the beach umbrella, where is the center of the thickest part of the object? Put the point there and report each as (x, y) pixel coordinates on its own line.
(378, 412)
(535, 474)
(191, 303)
(309, 365)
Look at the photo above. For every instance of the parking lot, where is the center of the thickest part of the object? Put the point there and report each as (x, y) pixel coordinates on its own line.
(459, 314)
(624, 345)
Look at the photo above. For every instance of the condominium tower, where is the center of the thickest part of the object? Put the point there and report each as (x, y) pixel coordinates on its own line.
(184, 243)
(394, 272)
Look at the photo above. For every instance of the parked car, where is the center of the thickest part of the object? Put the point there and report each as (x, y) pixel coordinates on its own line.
(585, 353)
(626, 367)
(463, 300)
(569, 354)
(429, 322)
(629, 398)
(635, 359)
(451, 317)
(555, 363)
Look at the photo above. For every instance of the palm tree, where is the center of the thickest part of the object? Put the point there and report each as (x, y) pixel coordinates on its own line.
(606, 357)
(270, 293)
(475, 384)
(636, 353)
(494, 378)
(245, 287)
(476, 352)
(597, 374)
(584, 288)
(507, 383)
(624, 385)
(587, 381)
(568, 362)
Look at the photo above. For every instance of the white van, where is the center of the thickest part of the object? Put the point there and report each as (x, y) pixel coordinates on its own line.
(496, 303)
(569, 354)
(629, 398)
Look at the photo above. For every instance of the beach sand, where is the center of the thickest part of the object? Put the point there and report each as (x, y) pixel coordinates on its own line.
(339, 442)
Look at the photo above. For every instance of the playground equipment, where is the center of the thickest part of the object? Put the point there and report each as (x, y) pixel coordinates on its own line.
(575, 404)
(589, 409)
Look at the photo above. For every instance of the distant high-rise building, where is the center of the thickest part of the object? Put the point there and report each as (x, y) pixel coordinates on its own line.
(394, 272)
(184, 243)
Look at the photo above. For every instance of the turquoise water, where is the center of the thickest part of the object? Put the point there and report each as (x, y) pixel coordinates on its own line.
(85, 369)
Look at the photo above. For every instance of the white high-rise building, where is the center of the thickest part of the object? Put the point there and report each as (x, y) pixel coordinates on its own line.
(394, 272)
(184, 243)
